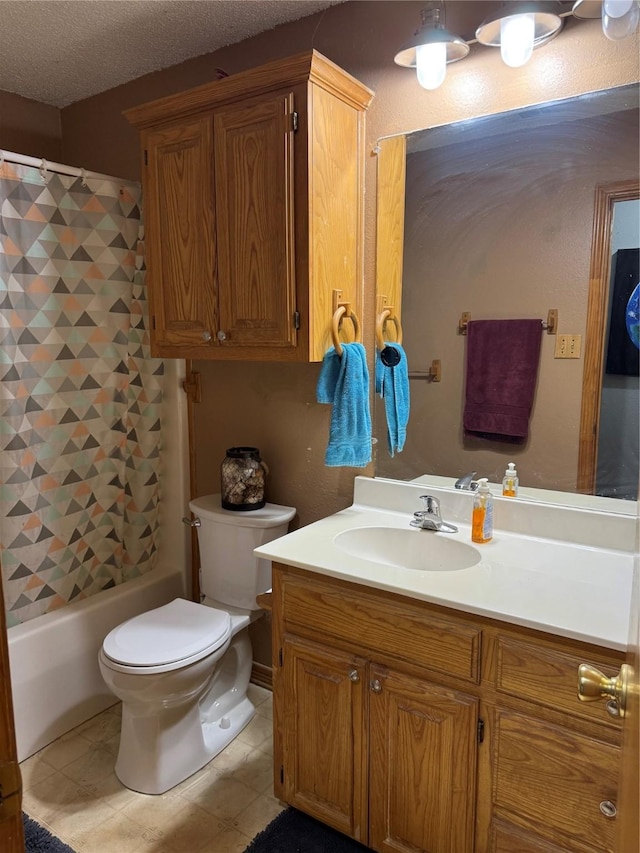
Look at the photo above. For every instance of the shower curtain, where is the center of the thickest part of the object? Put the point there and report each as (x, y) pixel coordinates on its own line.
(80, 397)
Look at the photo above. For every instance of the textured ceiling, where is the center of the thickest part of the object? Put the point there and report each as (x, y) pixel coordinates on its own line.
(60, 51)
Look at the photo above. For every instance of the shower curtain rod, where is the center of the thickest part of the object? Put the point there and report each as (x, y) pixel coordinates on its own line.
(46, 166)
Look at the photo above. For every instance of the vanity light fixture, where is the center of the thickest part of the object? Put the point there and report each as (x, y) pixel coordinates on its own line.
(519, 27)
(432, 48)
(619, 17)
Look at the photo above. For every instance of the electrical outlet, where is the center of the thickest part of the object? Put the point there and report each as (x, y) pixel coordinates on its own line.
(568, 346)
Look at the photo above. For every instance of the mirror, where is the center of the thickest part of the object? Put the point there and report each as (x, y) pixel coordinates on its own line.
(501, 221)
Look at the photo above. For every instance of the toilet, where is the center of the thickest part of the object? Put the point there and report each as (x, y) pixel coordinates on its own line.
(182, 670)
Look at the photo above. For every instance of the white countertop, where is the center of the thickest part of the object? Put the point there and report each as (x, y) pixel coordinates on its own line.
(564, 588)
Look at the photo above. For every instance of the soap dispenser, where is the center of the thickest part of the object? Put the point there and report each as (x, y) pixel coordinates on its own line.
(482, 516)
(510, 481)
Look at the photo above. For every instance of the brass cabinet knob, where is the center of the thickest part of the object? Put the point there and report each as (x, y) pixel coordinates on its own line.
(594, 685)
(206, 337)
(354, 676)
(375, 686)
(608, 808)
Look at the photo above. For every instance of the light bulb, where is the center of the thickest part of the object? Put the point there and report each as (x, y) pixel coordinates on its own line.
(619, 18)
(516, 39)
(431, 64)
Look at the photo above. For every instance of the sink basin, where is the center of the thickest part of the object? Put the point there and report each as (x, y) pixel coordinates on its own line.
(423, 550)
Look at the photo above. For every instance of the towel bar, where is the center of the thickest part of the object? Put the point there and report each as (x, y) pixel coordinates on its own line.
(550, 326)
(434, 374)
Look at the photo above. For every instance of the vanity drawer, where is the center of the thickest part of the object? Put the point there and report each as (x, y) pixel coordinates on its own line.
(555, 780)
(378, 623)
(548, 677)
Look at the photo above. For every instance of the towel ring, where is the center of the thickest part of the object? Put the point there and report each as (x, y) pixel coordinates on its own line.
(387, 314)
(340, 312)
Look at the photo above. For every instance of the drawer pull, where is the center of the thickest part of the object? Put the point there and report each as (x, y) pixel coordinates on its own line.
(222, 336)
(608, 809)
(206, 337)
(376, 687)
(354, 676)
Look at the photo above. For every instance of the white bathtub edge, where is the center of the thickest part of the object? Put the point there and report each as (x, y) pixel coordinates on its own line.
(55, 679)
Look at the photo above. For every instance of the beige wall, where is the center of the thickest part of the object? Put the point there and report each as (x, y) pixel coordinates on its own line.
(28, 127)
(273, 406)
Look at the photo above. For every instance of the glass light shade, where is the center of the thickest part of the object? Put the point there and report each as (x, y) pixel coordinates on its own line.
(619, 19)
(617, 8)
(517, 33)
(431, 64)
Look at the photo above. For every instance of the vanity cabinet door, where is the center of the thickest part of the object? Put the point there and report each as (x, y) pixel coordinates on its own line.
(325, 742)
(559, 783)
(422, 765)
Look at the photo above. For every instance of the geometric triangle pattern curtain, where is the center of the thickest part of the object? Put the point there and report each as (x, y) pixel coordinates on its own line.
(80, 396)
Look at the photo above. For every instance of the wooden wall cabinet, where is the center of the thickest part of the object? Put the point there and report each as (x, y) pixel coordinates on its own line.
(253, 208)
(415, 728)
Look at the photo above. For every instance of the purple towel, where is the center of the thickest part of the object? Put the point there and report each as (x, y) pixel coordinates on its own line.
(502, 370)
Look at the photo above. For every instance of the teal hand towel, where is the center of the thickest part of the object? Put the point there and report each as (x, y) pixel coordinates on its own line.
(392, 384)
(344, 382)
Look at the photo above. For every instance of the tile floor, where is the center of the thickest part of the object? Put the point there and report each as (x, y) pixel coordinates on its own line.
(71, 789)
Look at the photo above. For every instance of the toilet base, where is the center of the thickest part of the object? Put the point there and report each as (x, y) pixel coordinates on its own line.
(160, 749)
(187, 747)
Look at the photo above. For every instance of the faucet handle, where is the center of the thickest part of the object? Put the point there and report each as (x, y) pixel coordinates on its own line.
(431, 505)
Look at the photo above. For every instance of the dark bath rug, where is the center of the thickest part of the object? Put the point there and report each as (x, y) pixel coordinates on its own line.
(295, 832)
(37, 839)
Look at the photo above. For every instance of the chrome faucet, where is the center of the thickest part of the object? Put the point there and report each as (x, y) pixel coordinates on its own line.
(430, 518)
(467, 482)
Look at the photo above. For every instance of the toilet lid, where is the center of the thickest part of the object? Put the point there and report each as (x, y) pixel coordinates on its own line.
(167, 634)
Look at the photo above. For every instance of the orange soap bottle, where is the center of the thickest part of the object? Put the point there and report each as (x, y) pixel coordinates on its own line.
(482, 516)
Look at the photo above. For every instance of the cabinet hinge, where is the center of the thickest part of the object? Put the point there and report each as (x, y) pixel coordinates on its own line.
(281, 775)
(10, 789)
(480, 731)
(146, 157)
(294, 121)
(296, 319)
(280, 657)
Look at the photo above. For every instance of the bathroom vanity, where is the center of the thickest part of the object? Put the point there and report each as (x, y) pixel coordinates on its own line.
(435, 708)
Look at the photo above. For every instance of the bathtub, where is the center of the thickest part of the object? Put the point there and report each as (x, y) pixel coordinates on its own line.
(55, 679)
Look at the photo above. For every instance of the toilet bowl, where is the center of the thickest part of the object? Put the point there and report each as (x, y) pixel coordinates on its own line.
(182, 670)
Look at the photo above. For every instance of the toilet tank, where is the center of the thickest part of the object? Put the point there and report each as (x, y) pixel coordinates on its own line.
(229, 571)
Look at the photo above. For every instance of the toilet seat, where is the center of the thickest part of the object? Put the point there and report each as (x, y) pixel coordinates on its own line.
(167, 637)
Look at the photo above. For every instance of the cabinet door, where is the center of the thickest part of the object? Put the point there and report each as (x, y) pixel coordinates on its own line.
(325, 748)
(559, 782)
(422, 772)
(180, 236)
(255, 222)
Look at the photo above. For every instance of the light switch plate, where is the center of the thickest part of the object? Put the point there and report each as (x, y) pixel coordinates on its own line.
(568, 346)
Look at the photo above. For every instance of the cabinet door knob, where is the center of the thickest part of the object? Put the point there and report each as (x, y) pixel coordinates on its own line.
(375, 686)
(594, 685)
(354, 676)
(222, 336)
(608, 808)
(206, 336)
